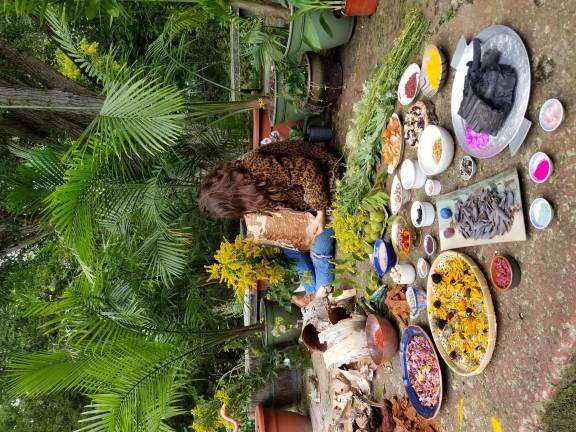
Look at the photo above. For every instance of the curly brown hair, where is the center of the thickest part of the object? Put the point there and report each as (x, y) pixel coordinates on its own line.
(229, 192)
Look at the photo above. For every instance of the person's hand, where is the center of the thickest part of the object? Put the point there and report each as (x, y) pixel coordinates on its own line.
(317, 226)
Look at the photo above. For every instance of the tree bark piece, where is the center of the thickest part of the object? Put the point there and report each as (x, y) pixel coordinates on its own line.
(346, 342)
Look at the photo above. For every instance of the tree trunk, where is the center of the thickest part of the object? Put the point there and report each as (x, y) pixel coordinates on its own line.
(25, 243)
(10, 126)
(49, 123)
(57, 100)
(260, 7)
(40, 71)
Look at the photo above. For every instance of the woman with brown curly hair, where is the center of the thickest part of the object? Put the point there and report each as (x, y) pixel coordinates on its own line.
(289, 174)
(286, 174)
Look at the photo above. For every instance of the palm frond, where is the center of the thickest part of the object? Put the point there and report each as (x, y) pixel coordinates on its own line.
(261, 45)
(69, 206)
(36, 177)
(176, 24)
(90, 9)
(95, 313)
(164, 253)
(139, 117)
(199, 111)
(141, 401)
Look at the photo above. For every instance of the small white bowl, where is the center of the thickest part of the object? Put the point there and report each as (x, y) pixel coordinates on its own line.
(432, 187)
(410, 70)
(427, 217)
(422, 268)
(539, 219)
(411, 176)
(549, 104)
(460, 167)
(536, 159)
(426, 146)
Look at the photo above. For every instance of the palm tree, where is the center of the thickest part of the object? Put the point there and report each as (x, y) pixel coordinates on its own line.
(130, 360)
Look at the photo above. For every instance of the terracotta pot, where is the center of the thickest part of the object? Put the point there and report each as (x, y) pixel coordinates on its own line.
(382, 339)
(271, 420)
(360, 7)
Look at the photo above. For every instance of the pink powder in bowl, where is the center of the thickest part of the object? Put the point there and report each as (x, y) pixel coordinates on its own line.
(476, 140)
(540, 167)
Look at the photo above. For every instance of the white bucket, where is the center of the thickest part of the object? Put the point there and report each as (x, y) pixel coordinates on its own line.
(428, 214)
(411, 175)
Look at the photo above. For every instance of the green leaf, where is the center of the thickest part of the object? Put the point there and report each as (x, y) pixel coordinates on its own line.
(138, 117)
(326, 26)
(338, 292)
(92, 8)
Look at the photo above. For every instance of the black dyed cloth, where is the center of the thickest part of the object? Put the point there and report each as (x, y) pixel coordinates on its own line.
(488, 91)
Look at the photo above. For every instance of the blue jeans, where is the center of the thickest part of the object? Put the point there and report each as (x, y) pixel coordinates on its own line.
(314, 268)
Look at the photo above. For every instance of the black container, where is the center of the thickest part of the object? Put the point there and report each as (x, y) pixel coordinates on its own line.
(318, 133)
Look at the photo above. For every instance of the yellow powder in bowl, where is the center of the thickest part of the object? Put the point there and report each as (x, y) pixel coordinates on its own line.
(434, 68)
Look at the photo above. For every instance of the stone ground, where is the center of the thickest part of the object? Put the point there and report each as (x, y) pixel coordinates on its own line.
(537, 320)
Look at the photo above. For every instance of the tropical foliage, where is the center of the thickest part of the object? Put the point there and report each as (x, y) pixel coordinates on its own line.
(131, 329)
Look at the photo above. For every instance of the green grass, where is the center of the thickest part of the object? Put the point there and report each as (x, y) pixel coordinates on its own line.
(560, 415)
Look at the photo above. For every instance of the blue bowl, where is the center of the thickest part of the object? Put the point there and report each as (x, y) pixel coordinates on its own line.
(425, 411)
(390, 257)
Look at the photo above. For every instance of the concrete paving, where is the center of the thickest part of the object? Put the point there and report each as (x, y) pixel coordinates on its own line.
(537, 320)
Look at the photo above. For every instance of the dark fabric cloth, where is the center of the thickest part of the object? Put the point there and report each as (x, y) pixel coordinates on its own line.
(304, 173)
(489, 90)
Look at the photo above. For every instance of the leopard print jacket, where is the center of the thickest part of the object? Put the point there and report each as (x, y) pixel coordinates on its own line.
(304, 173)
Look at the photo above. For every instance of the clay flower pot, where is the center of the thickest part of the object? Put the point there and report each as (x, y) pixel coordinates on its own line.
(271, 420)
(360, 7)
(382, 339)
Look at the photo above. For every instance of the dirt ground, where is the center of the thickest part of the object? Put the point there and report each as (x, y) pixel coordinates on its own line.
(536, 321)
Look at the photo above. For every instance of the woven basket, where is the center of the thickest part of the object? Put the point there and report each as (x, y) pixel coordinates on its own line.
(490, 315)
(282, 228)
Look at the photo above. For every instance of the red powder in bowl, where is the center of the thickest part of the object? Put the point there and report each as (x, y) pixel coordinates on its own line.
(501, 272)
(542, 170)
(379, 338)
(411, 86)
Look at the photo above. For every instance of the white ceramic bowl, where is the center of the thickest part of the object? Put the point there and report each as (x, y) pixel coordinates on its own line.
(428, 214)
(411, 176)
(542, 116)
(536, 159)
(422, 267)
(541, 213)
(404, 195)
(467, 177)
(410, 70)
(425, 150)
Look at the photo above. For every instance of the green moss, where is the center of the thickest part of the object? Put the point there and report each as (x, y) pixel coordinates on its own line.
(560, 415)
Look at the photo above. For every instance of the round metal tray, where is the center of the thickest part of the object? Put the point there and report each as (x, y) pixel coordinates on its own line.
(512, 52)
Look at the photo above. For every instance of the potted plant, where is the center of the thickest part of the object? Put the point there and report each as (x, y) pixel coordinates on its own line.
(304, 86)
(240, 264)
(317, 30)
(348, 7)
